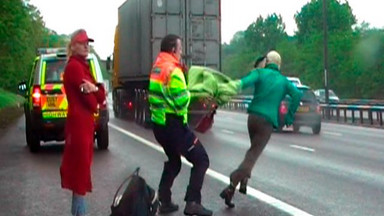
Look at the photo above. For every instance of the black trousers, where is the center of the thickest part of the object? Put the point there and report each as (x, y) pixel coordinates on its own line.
(177, 139)
(260, 131)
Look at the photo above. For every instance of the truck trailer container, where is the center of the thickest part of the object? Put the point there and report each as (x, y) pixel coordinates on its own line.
(141, 26)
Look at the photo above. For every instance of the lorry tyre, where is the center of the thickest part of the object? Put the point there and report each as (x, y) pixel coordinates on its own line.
(316, 129)
(279, 128)
(147, 123)
(33, 140)
(116, 104)
(296, 128)
(116, 111)
(102, 138)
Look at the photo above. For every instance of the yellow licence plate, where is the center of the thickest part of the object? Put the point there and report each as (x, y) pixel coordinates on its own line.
(51, 101)
(55, 114)
(303, 109)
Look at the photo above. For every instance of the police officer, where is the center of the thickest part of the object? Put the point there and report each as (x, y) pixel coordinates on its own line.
(169, 99)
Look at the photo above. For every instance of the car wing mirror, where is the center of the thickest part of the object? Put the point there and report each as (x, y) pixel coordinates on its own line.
(108, 64)
(22, 87)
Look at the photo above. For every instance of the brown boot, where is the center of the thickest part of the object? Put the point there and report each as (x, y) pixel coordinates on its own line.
(227, 195)
(243, 186)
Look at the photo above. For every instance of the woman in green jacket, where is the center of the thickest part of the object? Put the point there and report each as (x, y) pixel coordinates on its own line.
(270, 89)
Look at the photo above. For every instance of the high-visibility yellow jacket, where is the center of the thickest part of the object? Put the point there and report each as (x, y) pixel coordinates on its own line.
(168, 93)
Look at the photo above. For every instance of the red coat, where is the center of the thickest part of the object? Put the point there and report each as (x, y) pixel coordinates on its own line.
(76, 163)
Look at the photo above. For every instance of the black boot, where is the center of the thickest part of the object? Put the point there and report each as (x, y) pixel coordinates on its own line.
(243, 186)
(227, 195)
(194, 208)
(168, 207)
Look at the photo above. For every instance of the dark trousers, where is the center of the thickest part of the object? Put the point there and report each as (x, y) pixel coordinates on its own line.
(177, 139)
(260, 131)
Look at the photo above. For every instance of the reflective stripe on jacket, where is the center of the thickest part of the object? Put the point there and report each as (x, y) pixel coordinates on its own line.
(168, 91)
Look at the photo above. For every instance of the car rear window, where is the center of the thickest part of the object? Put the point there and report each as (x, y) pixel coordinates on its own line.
(54, 70)
(308, 95)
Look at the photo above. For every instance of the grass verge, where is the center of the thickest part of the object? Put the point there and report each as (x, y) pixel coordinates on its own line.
(11, 107)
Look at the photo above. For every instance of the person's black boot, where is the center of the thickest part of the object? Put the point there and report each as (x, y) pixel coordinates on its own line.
(243, 186)
(168, 207)
(194, 208)
(227, 195)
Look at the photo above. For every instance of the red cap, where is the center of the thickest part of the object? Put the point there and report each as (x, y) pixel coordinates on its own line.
(82, 37)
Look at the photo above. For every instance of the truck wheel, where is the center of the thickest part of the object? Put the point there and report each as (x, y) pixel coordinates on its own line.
(279, 129)
(33, 140)
(116, 104)
(116, 111)
(296, 128)
(147, 116)
(102, 138)
(316, 129)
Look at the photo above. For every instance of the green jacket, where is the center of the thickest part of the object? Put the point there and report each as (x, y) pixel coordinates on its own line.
(204, 82)
(270, 88)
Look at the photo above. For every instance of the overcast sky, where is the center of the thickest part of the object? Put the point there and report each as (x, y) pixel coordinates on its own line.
(99, 17)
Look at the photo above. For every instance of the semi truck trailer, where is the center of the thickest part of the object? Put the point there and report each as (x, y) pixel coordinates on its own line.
(141, 26)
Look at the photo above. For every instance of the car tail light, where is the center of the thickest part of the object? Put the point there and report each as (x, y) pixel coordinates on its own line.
(283, 108)
(129, 105)
(318, 109)
(36, 96)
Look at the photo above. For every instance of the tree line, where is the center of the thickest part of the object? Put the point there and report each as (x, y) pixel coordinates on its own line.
(22, 32)
(355, 52)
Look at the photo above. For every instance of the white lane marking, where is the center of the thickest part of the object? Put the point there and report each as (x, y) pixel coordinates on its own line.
(332, 133)
(218, 176)
(303, 148)
(227, 131)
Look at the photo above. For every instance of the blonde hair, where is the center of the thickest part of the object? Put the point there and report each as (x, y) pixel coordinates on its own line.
(273, 57)
(69, 45)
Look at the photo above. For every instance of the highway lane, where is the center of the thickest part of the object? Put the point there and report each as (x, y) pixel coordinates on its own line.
(339, 172)
(30, 183)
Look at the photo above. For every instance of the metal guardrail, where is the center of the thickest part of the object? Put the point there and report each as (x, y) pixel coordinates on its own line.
(367, 115)
(354, 114)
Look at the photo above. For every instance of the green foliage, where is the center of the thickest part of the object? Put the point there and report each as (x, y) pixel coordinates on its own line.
(368, 57)
(263, 34)
(355, 53)
(52, 39)
(245, 47)
(310, 19)
(20, 30)
(8, 99)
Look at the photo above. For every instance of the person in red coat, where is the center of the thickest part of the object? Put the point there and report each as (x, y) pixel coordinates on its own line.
(84, 97)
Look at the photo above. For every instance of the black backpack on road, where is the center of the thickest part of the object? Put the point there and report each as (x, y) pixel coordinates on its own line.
(138, 198)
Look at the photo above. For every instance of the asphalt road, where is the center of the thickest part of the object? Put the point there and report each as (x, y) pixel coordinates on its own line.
(338, 172)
